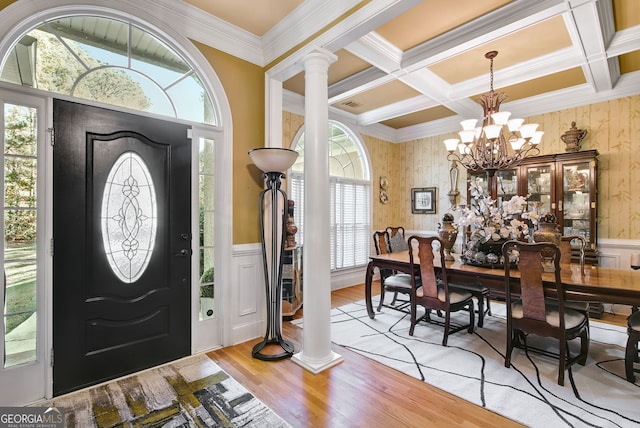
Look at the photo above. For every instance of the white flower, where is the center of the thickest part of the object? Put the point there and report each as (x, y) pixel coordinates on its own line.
(491, 222)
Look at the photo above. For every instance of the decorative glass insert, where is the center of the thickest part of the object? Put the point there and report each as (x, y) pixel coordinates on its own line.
(129, 217)
(20, 234)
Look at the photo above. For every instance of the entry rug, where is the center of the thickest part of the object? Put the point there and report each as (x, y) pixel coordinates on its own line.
(192, 392)
(472, 367)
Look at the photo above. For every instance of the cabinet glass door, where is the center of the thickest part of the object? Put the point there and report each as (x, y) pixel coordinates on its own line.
(507, 183)
(576, 199)
(539, 180)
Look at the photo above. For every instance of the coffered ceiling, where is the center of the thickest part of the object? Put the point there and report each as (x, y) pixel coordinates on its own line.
(408, 68)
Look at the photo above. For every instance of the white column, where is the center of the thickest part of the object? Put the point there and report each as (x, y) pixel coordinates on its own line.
(316, 354)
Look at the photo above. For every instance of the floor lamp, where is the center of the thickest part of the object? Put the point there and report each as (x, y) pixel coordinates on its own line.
(273, 162)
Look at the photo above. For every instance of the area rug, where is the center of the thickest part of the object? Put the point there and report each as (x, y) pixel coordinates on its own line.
(472, 367)
(192, 392)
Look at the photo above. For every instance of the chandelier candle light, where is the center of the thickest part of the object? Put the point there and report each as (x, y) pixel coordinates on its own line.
(485, 148)
(273, 162)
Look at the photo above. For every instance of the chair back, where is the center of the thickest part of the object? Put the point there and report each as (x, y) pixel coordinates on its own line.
(397, 241)
(381, 242)
(427, 264)
(566, 249)
(530, 265)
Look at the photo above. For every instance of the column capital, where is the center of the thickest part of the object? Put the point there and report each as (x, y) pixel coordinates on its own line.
(318, 56)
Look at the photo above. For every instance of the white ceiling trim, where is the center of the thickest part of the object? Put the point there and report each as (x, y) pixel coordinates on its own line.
(210, 30)
(376, 50)
(624, 41)
(352, 28)
(304, 21)
(502, 22)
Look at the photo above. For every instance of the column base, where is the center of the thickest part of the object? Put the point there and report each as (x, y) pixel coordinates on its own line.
(316, 367)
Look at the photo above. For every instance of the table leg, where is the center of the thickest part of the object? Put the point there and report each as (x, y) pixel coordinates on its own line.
(367, 289)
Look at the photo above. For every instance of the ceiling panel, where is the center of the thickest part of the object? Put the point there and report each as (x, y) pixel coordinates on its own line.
(544, 84)
(550, 35)
(380, 96)
(432, 18)
(254, 16)
(422, 116)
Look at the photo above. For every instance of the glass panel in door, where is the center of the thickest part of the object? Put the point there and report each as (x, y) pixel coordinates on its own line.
(539, 188)
(507, 182)
(576, 179)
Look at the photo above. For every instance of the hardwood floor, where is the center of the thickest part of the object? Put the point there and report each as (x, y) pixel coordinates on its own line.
(358, 392)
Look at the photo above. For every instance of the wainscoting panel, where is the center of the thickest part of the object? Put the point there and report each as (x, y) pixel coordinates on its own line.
(247, 297)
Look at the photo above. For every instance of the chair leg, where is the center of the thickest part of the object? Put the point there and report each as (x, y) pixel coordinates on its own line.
(395, 296)
(480, 310)
(489, 304)
(447, 322)
(562, 362)
(381, 296)
(472, 317)
(509, 350)
(631, 355)
(584, 347)
(413, 317)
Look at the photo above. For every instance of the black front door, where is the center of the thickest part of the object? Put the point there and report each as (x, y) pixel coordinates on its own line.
(122, 254)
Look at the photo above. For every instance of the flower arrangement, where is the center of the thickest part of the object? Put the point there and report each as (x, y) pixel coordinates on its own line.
(493, 222)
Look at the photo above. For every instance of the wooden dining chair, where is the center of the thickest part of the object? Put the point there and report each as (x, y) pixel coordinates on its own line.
(391, 280)
(397, 240)
(631, 353)
(567, 246)
(528, 312)
(430, 288)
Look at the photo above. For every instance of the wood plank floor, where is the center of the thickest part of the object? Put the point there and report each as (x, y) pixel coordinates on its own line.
(358, 392)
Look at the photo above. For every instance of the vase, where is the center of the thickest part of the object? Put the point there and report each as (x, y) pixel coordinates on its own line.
(573, 138)
(448, 233)
(547, 232)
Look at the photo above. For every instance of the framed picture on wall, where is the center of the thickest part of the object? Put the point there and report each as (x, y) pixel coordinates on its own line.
(423, 200)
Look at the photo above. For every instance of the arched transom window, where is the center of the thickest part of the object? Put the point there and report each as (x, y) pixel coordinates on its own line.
(350, 190)
(110, 61)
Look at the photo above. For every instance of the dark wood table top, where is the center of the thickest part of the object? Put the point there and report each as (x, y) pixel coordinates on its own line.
(590, 283)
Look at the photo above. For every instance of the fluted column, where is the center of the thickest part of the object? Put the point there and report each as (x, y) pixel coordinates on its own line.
(316, 354)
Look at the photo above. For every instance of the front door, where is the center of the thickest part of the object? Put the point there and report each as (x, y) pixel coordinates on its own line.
(122, 244)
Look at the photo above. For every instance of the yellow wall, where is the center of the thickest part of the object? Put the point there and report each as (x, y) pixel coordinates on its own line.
(243, 84)
(613, 129)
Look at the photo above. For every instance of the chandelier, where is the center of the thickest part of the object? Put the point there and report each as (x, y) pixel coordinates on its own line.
(485, 147)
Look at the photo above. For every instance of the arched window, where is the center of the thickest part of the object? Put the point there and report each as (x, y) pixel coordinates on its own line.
(110, 61)
(350, 195)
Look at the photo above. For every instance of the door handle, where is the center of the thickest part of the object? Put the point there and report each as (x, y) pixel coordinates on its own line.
(184, 253)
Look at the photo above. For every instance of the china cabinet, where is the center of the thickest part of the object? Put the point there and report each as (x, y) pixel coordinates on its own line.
(564, 184)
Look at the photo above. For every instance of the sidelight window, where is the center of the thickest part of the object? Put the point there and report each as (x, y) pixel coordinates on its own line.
(20, 233)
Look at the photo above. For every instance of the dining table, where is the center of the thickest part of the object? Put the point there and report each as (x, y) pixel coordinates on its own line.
(581, 282)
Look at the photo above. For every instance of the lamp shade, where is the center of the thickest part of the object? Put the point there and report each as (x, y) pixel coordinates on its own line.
(273, 159)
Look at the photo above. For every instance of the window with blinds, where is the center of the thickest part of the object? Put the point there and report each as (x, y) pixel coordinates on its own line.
(350, 196)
